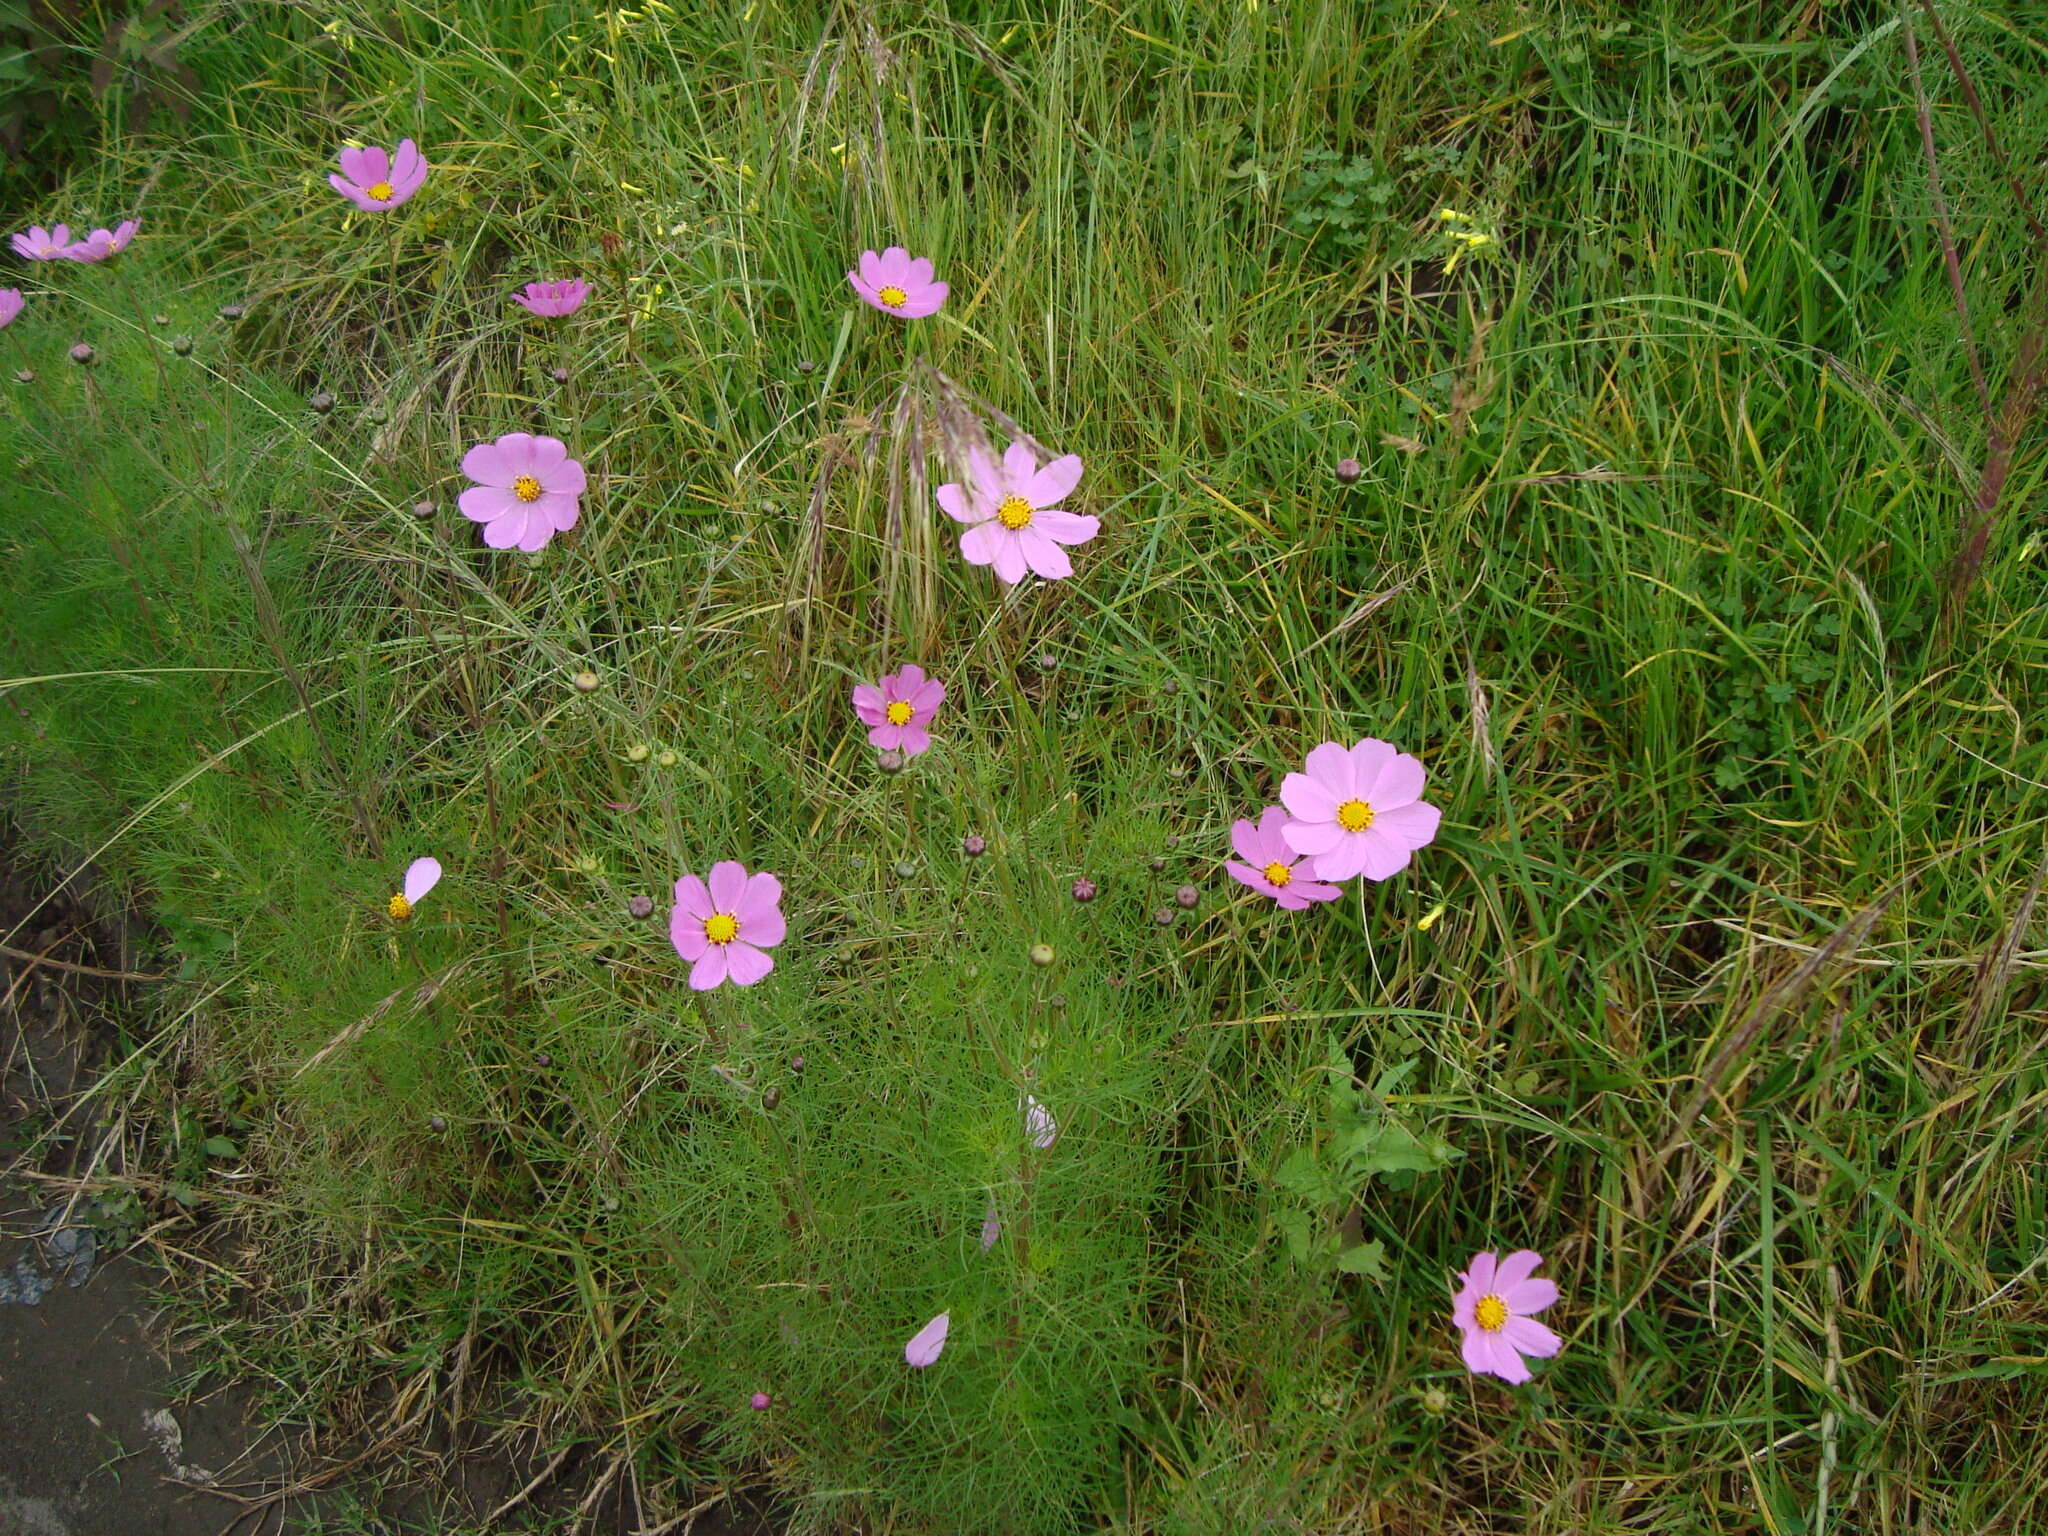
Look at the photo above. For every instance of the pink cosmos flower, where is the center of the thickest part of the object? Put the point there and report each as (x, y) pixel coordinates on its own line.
(551, 301)
(724, 929)
(1013, 522)
(925, 1344)
(11, 303)
(526, 490)
(1358, 811)
(40, 244)
(421, 876)
(1493, 1310)
(898, 284)
(102, 243)
(374, 180)
(1272, 868)
(898, 708)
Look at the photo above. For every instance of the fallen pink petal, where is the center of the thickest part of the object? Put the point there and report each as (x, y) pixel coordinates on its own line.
(527, 490)
(897, 283)
(725, 926)
(928, 1341)
(1012, 514)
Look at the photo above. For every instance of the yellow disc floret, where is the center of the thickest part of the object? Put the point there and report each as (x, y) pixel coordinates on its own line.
(526, 488)
(399, 907)
(381, 191)
(1014, 512)
(893, 296)
(721, 928)
(1278, 874)
(1354, 815)
(898, 712)
(1491, 1314)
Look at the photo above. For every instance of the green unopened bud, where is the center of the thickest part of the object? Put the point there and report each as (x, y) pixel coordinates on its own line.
(639, 752)
(1041, 954)
(585, 681)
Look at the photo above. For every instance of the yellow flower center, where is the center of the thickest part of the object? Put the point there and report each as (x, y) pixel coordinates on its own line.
(1354, 815)
(399, 907)
(899, 713)
(1278, 874)
(1014, 512)
(381, 191)
(721, 928)
(893, 296)
(526, 488)
(1491, 1314)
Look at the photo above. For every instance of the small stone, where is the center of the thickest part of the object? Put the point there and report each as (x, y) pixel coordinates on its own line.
(640, 906)
(761, 1401)
(83, 354)
(1163, 917)
(230, 312)
(639, 752)
(1042, 955)
(182, 345)
(890, 763)
(321, 403)
(424, 508)
(1084, 889)
(585, 681)
(973, 846)
(1188, 896)
(1349, 471)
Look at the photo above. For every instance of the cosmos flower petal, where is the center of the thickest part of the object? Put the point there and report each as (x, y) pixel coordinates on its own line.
(1248, 839)
(906, 680)
(1477, 1348)
(988, 480)
(1479, 1274)
(980, 544)
(915, 741)
(929, 696)
(545, 457)
(421, 876)
(1331, 766)
(487, 464)
(1527, 1336)
(869, 704)
(1064, 527)
(927, 1342)
(1379, 857)
(1010, 561)
(760, 901)
(1043, 554)
(1019, 465)
(929, 302)
(1527, 1297)
(1312, 838)
(1307, 800)
(952, 500)
(1399, 782)
(1507, 1364)
(1342, 862)
(509, 526)
(745, 964)
(1513, 1270)
(366, 166)
(1369, 758)
(728, 885)
(1052, 484)
(710, 967)
(1411, 826)
(693, 898)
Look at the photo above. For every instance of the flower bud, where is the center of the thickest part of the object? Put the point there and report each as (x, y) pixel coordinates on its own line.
(664, 759)
(585, 681)
(1157, 866)
(760, 1401)
(1084, 889)
(639, 752)
(890, 763)
(1349, 471)
(587, 864)
(1188, 897)
(1047, 662)
(423, 509)
(160, 319)
(83, 354)
(905, 870)
(1041, 954)
(1163, 917)
(182, 345)
(436, 1123)
(772, 1098)
(230, 313)
(321, 403)
(559, 375)
(796, 1065)
(24, 376)
(543, 1059)
(640, 906)
(973, 846)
